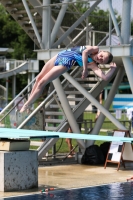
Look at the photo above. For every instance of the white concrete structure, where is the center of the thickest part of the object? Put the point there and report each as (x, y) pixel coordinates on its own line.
(18, 170)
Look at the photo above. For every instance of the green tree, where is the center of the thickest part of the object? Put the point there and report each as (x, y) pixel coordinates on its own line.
(12, 36)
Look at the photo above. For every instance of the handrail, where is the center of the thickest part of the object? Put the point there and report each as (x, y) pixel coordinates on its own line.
(13, 107)
(43, 103)
(23, 97)
(16, 97)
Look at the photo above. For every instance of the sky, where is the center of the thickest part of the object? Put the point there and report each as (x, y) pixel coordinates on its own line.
(117, 4)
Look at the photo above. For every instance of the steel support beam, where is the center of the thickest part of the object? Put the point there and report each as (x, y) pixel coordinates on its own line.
(38, 5)
(35, 3)
(33, 23)
(59, 21)
(110, 26)
(94, 101)
(70, 30)
(114, 20)
(67, 109)
(126, 22)
(126, 32)
(13, 86)
(107, 103)
(46, 24)
(129, 70)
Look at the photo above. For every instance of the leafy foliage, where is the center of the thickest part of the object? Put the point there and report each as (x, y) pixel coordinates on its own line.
(12, 36)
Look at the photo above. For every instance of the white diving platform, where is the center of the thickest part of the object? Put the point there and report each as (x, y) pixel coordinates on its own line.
(117, 51)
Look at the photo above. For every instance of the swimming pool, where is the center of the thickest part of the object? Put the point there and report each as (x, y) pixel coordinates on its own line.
(115, 191)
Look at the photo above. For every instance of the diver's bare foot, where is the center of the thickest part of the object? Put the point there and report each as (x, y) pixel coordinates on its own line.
(71, 154)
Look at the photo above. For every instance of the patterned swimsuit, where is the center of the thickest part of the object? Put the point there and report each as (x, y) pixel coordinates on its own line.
(71, 57)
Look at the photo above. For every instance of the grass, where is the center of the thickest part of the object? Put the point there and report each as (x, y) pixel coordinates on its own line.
(6, 121)
(61, 146)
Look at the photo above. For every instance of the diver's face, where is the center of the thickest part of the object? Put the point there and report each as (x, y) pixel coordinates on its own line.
(101, 57)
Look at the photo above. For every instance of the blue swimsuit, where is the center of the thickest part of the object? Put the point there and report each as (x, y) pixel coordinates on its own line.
(71, 57)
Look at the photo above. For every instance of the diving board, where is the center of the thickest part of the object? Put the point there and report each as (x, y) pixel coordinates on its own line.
(27, 134)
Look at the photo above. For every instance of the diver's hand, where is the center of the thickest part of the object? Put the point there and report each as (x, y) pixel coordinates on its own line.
(84, 74)
(113, 65)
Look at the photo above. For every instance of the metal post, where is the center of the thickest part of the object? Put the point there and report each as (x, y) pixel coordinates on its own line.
(70, 30)
(46, 24)
(87, 32)
(13, 86)
(59, 21)
(110, 26)
(107, 36)
(126, 31)
(129, 70)
(77, 36)
(90, 33)
(67, 109)
(94, 101)
(93, 43)
(126, 21)
(29, 80)
(114, 20)
(14, 82)
(32, 22)
(105, 94)
(107, 104)
(7, 87)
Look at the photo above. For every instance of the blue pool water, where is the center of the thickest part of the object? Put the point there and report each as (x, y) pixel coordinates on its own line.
(116, 191)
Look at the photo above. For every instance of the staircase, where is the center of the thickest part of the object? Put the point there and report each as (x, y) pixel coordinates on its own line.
(20, 67)
(23, 13)
(54, 114)
(55, 119)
